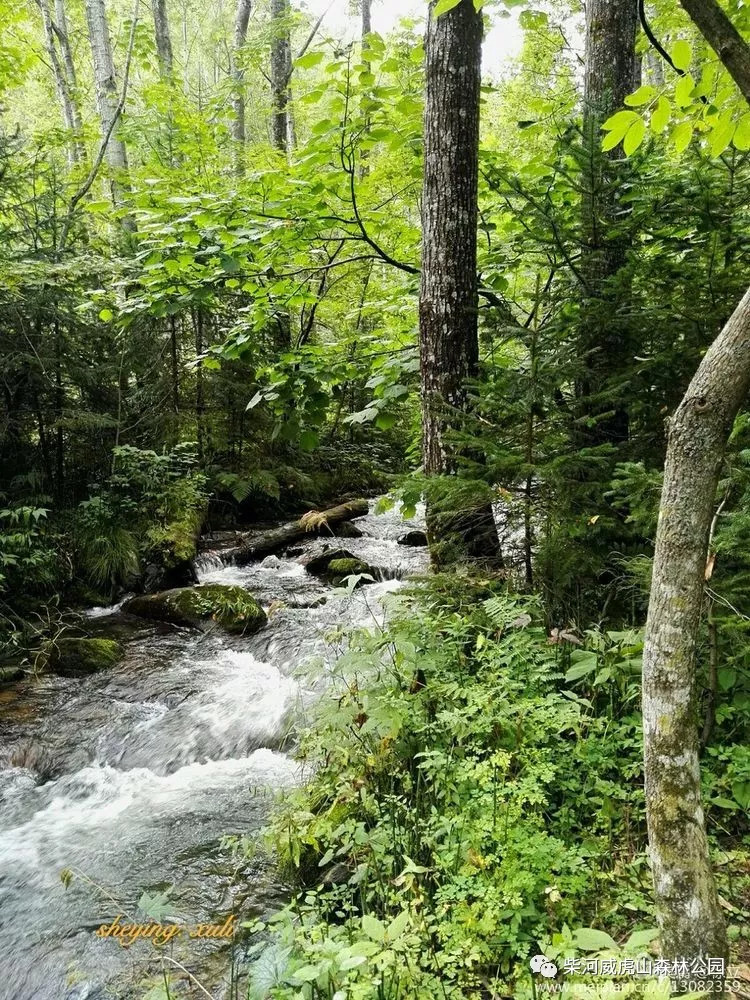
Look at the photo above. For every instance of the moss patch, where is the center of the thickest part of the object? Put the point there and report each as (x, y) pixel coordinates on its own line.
(232, 608)
(71, 657)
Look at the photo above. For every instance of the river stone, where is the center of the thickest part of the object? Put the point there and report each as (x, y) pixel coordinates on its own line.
(232, 608)
(415, 539)
(335, 564)
(271, 562)
(346, 530)
(73, 657)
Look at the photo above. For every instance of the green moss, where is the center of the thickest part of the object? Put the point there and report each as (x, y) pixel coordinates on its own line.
(74, 657)
(345, 567)
(232, 608)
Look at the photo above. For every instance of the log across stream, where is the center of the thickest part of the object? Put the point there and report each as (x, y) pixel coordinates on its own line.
(140, 771)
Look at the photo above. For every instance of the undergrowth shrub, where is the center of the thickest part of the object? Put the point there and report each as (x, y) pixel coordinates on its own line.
(465, 803)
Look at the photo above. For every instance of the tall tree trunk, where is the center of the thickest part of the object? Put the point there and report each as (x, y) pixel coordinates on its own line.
(687, 903)
(612, 72)
(71, 118)
(281, 73)
(449, 348)
(688, 906)
(241, 20)
(163, 38)
(364, 167)
(107, 97)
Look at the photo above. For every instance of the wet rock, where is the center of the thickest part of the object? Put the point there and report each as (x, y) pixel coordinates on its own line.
(415, 539)
(8, 674)
(34, 757)
(271, 562)
(232, 608)
(346, 530)
(74, 657)
(295, 550)
(335, 564)
(156, 577)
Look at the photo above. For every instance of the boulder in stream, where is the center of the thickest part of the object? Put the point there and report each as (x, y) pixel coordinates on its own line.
(77, 657)
(414, 539)
(335, 564)
(232, 608)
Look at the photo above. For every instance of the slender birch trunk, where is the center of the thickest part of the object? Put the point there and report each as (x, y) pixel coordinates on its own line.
(107, 96)
(71, 118)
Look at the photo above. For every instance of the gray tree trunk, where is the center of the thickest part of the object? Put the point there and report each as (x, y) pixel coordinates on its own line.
(163, 38)
(612, 72)
(107, 96)
(688, 907)
(449, 348)
(241, 20)
(281, 73)
(71, 117)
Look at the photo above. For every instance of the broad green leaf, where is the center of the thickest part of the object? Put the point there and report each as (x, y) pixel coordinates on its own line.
(682, 135)
(634, 137)
(741, 792)
(310, 59)
(373, 927)
(720, 137)
(106, 315)
(683, 91)
(660, 115)
(682, 54)
(742, 134)
(644, 95)
(640, 939)
(585, 664)
(590, 939)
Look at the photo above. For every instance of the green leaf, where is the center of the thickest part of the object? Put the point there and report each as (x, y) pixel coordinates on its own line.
(634, 137)
(661, 115)
(306, 974)
(373, 927)
(723, 803)
(310, 59)
(682, 54)
(308, 440)
(644, 95)
(590, 939)
(682, 135)
(618, 126)
(720, 137)
(727, 678)
(640, 939)
(584, 664)
(741, 792)
(742, 134)
(683, 91)
(106, 315)
(443, 6)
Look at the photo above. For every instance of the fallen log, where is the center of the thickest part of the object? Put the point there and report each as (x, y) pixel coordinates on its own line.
(315, 522)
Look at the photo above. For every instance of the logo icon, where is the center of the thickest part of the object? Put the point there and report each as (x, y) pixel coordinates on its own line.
(542, 966)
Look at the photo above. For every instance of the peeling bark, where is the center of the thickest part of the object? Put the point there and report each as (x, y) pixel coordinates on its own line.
(688, 907)
(449, 347)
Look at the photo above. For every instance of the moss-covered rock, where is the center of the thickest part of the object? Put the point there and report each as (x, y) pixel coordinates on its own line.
(232, 608)
(336, 564)
(76, 657)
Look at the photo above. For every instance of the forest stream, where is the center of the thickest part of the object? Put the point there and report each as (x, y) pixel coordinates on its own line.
(147, 767)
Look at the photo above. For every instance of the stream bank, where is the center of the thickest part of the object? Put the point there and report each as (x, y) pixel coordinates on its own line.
(139, 772)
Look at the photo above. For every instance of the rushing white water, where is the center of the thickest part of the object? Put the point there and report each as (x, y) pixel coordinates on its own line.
(135, 775)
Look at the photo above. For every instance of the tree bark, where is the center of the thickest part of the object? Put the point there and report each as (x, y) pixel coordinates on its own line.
(448, 301)
(612, 72)
(281, 72)
(724, 39)
(312, 523)
(71, 117)
(163, 38)
(107, 97)
(688, 907)
(241, 20)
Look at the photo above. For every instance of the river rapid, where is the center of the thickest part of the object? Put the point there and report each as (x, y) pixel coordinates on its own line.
(141, 771)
